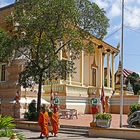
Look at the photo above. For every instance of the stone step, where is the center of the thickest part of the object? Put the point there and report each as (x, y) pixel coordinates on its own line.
(74, 130)
(75, 127)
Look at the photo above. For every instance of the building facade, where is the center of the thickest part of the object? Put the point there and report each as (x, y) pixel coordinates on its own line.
(75, 91)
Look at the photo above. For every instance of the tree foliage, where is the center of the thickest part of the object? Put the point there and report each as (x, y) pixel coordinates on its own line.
(42, 29)
(6, 49)
(92, 18)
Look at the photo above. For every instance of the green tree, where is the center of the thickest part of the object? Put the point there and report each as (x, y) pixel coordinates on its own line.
(43, 28)
(5, 46)
(135, 82)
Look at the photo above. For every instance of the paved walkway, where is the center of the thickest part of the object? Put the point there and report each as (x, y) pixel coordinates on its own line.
(84, 120)
(30, 135)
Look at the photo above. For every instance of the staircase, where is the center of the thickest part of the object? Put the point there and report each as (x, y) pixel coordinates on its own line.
(78, 130)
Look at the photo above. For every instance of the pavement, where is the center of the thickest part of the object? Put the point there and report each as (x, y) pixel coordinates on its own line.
(30, 135)
(84, 120)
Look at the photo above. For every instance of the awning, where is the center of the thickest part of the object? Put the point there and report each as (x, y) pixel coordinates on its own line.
(28, 100)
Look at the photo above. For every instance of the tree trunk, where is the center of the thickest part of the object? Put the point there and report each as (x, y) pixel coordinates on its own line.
(39, 93)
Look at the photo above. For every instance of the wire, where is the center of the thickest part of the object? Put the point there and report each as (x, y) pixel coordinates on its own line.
(112, 33)
(132, 54)
(128, 27)
(134, 28)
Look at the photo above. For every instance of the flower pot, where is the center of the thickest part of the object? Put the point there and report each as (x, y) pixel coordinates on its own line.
(103, 123)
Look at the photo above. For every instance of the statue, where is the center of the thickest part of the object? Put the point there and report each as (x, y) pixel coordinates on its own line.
(134, 118)
(129, 87)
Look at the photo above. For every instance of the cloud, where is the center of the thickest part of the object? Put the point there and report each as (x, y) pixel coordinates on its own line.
(102, 3)
(132, 17)
(115, 10)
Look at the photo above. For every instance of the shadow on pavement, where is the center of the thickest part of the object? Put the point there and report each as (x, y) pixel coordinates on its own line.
(34, 138)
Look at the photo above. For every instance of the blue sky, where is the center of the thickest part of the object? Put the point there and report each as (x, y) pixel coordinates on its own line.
(131, 30)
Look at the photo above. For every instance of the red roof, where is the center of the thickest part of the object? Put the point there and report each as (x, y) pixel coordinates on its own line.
(126, 72)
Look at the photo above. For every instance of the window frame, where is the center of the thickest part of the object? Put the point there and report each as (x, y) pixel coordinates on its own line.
(2, 72)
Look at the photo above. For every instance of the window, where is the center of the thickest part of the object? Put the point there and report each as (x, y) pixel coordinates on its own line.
(3, 72)
(93, 77)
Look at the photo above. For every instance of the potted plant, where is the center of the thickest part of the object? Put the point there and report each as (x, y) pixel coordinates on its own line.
(103, 120)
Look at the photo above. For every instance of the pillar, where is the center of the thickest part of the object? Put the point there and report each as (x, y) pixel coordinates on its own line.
(82, 68)
(70, 73)
(113, 82)
(0, 71)
(60, 56)
(108, 68)
(103, 55)
(100, 69)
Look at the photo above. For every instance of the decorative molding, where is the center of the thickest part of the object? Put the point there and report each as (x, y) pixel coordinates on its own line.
(100, 46)
(108, 50)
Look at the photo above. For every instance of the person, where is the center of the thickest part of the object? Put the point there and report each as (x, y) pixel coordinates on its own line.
(17, 97)
(56, 102)
(43, 120)
(94, 107)
(55, 122)
(54, 118)
(107, 106)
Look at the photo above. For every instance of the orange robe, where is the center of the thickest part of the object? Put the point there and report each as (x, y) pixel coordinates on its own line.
(43, 122)
(55, 121)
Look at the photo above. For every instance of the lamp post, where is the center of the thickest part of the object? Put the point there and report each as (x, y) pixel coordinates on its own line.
(122, 45)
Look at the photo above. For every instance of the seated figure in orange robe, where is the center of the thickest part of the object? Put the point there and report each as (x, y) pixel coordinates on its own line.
(43, 122)
(54, 122)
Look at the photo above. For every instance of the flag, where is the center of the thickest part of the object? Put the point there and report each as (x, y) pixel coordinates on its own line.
(51, 97)
(103, 99)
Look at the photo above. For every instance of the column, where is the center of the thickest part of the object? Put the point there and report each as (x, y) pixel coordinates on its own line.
(0, 71)
(70, 73)
(60, 56)
(103, 55)
(113, 82)
(100, 74)
(108, 68)
(100, 69)
(82, 68)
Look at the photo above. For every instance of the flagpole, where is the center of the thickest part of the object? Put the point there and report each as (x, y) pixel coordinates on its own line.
(121, 89)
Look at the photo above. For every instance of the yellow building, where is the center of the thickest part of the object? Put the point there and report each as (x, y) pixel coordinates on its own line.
(74, 92)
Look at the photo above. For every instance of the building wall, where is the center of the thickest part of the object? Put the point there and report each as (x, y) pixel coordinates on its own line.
(9, 88)
(76, 76)
(86, 69)
(4, 12)
(127, 101)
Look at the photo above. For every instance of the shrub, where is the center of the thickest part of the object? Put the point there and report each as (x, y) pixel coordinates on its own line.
(133, 108)
(6, 122)
(6, 127)
(103, 116)
(32, 114)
